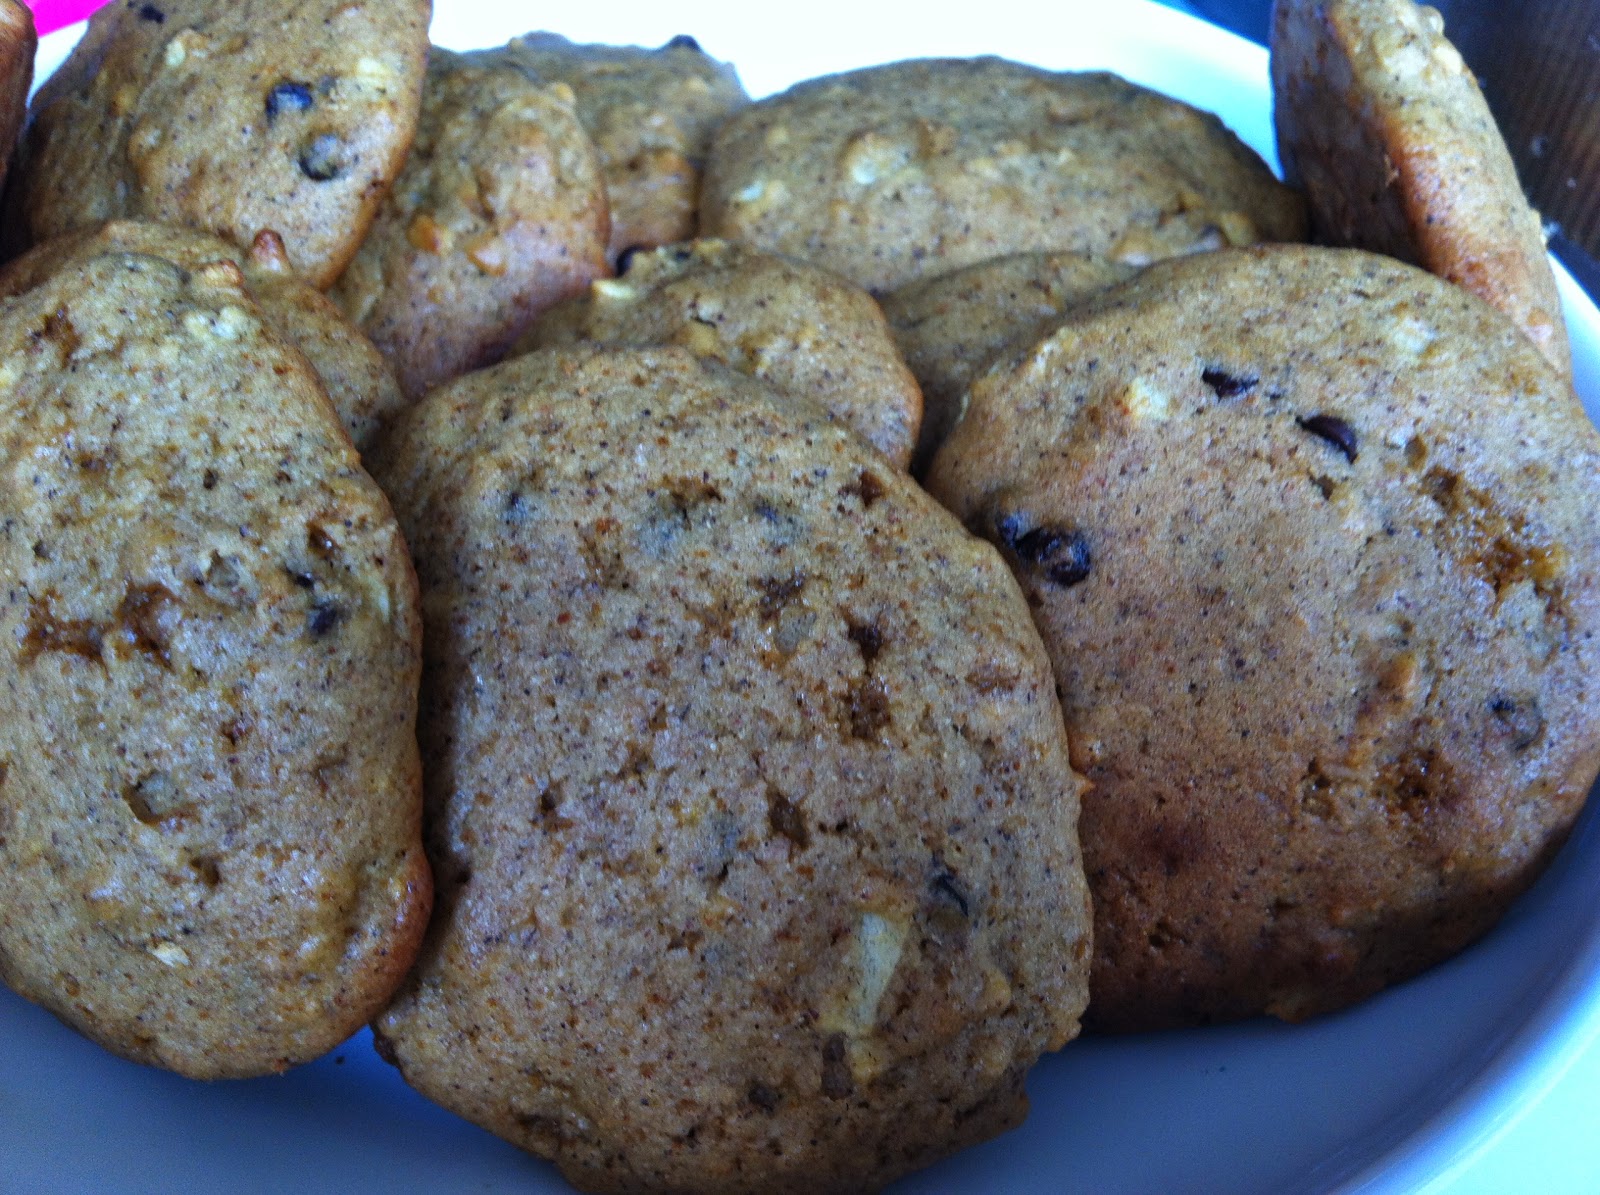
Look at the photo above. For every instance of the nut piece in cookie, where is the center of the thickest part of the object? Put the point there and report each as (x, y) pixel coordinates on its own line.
(233, 118)
(499, 212)
(211, 856)
(801, 329)
(358, 381)
(899, 172)
(651, 113)
(954, 326)
(1317, 566)
(747, 790)
(17, 44)
(1385, 127)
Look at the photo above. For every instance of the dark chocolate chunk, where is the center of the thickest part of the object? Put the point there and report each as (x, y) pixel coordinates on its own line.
(1227, 385)
(149, 12)
(322, 158)
(1061, 553)
(288, 96)
(1335, 431)
(324, 617)
(682, 42)
(625, 258)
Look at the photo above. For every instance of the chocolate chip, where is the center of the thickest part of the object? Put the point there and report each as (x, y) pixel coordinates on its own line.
(682, 42)
(764, 1097)
(301, 580)
(321, 158)
(1227, 385)
(837, 1082)
(149, 12)
(1335, 431)
(288, 96)
(324, 616)
(1061, 553)
(1521, 720)
(625, 258)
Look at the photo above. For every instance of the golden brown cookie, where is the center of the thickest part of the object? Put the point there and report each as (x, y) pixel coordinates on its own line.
(232, 118)
(17, 44)
(951, 327)
(898, 172)
(747, 788)
(1383, 124)
(210, 841)
(802, 330)
(651, 114)
(1316, 562)
(363, 391)
(499, 212)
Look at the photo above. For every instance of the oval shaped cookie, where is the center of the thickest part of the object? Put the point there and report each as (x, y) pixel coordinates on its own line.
(17, 44)
(499, 213)
(363, 391)
(651, 114)
(952, 327)
(747, 789)
(1385, 127)
(802, 330)
(1316, 563)
(210, 841)
(232, 118)
(899, 172)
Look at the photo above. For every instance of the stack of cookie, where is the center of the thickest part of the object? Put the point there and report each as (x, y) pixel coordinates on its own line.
(748, 791)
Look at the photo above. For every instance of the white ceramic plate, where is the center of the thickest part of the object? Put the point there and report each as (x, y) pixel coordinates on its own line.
(1404, 1091)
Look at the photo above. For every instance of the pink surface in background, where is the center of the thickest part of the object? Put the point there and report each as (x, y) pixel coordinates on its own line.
(50, 15)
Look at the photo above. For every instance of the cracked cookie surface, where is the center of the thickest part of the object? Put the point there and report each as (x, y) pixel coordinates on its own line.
(747, 788)
(1316, 564)
(210, 806)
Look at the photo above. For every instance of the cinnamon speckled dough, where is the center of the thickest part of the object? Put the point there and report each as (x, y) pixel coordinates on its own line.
(1385, 127)
(359, 383)
(899, 172)
(951, 327)
(499, 213)
(748, 790)
(651, 114)
(17, 44)
(800, 329)
(210, 806)
(231, 117)
(1316, 563)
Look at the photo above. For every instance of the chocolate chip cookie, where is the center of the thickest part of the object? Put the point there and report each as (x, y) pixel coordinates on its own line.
(898, 172)
(210, 800)
(363, 391)
(951, 327)
(747, 788)
(651, 114)
(801, 329)
(278, 115)
(499, 212)
(1317, 566)
(1383, 124)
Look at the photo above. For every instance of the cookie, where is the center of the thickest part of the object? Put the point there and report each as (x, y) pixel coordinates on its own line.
(651, 114)
(1384, 126)
(951, 327)
(747, 789)
(210, 802)
(17, 44)
(278, 115)
(499, 212)
(1316, 563)
(363, 391)
(898, 172)
(802, 330)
